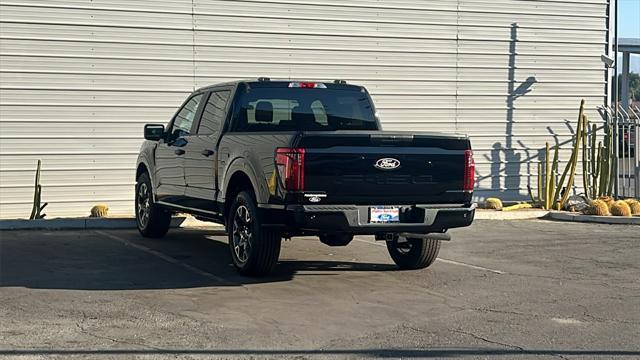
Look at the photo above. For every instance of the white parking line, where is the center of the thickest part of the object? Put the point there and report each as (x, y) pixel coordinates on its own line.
(471, 266)
(447, 261)
(164, 257)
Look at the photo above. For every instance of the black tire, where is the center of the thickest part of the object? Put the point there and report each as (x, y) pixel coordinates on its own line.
(336, 239)
(254, 249)
(413, 253)
(153, 221)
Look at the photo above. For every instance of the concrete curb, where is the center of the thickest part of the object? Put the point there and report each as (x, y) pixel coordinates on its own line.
(524, 214)
(563, 216)
(93, 223)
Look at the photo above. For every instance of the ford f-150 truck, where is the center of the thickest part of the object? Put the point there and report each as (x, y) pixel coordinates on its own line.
(278, 159)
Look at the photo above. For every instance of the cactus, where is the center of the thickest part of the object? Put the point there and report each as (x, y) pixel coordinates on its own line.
(593, 164)
(585, 169)
(547, 178)
(574, 156)
(540, 184)
(607, 163)
(571, 163)
(596, 173)
(634, 205)
(620, 208)
(607, 200)
(598, 207)
(598, 166)
(493, 203)
(554, 171)
(613, 162)
(99, 210)
(36, 210)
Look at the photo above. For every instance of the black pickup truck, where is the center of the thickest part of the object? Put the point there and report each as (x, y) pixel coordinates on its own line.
(277, 159)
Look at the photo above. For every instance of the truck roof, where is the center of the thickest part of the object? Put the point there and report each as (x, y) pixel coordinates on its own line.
(265, 82)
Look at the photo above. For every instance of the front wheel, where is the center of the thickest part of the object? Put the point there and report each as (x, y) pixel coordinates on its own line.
(254, 249)
(152, 220)
(413, 253)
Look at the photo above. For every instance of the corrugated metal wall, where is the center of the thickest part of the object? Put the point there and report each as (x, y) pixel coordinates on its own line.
(79, 78)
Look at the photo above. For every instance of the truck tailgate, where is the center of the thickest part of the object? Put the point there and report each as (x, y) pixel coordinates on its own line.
(385, 168)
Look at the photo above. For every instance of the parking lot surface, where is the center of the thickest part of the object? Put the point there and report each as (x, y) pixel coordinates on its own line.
(506, 289)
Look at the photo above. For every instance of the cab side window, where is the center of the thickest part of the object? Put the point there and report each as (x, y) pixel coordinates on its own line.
(213, 113)
(184, 118)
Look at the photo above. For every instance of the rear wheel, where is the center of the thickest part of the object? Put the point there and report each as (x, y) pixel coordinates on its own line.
(254, 249)
(413, 253)
(152, 220)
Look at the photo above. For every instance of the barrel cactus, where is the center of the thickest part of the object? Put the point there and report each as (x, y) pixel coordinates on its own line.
(608, 200)
(598, 207)
(620, 208)
(99, 210)
(634, 205)
(493, 203)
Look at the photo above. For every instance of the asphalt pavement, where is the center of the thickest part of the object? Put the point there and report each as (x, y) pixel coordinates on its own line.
(500, 289)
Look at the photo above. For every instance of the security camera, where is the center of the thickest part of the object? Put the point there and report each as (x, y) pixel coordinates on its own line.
(608, 62)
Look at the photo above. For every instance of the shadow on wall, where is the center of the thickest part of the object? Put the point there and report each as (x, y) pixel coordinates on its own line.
(503, 158)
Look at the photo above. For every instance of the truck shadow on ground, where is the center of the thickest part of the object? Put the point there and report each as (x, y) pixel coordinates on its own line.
(122, 260)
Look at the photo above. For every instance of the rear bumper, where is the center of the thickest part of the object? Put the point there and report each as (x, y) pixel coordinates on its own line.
(354, 219)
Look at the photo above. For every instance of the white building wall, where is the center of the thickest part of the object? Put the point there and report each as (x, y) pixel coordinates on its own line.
(79, 78)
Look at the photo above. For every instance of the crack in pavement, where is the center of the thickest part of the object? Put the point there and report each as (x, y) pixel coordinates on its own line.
(585, 313)
(89, 333)
(478, 337)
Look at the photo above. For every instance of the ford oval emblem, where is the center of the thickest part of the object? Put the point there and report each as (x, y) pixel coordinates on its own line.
(387, 164)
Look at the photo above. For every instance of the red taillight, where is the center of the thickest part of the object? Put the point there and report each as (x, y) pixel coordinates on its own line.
(469, 171)
(290, 165)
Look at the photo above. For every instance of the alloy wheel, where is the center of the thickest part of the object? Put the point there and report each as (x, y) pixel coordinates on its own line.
(144, 204)
(242, 233)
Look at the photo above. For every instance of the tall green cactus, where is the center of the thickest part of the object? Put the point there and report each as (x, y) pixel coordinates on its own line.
(540, 183)
(571, 165)
(574, 157)
(593, 164)
(554, 171)
(585, 154)
(546, 179)
(596, 172)
(598, 166)
(604, 165)
(36, 210)
(612, 162)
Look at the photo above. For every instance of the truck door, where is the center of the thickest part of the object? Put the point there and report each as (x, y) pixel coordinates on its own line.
(201, 153)
(170, 153)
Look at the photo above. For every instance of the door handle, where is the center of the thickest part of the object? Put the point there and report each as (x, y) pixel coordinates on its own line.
(207, 152)
(179, 152)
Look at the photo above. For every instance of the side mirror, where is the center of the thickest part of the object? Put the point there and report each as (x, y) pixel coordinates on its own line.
(153, 132)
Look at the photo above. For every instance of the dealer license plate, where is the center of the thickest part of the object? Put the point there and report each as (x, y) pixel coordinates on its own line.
(384, 214)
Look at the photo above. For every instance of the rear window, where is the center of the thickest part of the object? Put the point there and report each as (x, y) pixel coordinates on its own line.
(302, 109)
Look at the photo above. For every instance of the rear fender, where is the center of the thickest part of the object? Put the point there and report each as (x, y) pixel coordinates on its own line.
(241, 165)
